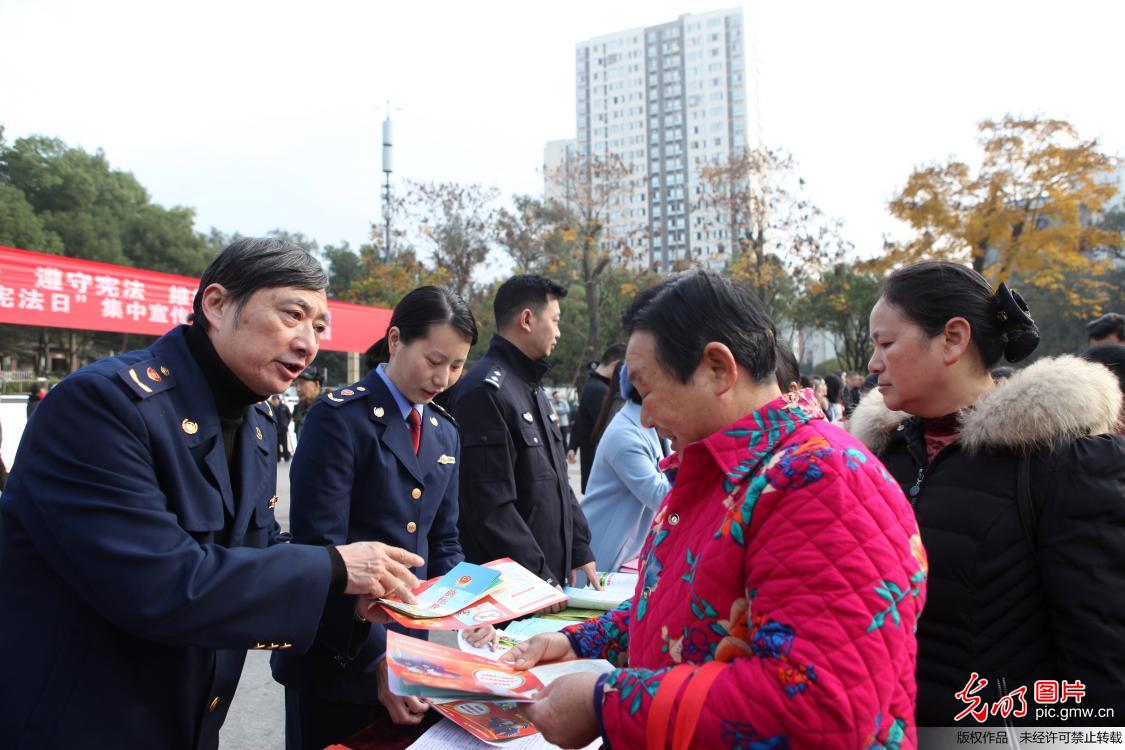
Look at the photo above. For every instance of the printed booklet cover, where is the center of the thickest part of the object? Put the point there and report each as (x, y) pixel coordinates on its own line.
(521, 592)
(429, 670)
(459, 588)
(488, 721)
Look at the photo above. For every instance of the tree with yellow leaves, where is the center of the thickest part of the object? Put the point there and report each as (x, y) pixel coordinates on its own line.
(1028, 214)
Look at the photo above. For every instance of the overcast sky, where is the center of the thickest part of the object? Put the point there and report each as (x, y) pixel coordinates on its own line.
(264, 115)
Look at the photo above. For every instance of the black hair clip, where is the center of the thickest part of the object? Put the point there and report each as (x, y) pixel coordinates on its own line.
(1012, 311)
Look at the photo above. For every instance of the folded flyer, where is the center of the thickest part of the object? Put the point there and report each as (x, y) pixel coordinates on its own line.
(459, 588)
(502, 720)
(616, 588)
(522, 593)
(429, 670)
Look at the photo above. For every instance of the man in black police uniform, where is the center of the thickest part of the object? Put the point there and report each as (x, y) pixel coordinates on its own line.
(139, 555)
(516, 499)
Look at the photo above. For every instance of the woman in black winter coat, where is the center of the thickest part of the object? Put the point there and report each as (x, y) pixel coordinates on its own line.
(1019, 491)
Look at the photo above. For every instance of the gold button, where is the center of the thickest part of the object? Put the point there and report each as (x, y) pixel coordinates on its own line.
(189, 427)
(416, 493)
(411, 527)
(378, 411)
(214, 704)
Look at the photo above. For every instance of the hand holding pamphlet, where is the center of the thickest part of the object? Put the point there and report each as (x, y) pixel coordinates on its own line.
(428, 670)
(459, 588)
(519, 592)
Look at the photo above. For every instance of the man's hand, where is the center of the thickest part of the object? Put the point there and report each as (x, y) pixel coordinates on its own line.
(543, 648)
(564, 711)
(375, 569)
(571, 457)
(367, 608)
(591, 572)
(404, 709)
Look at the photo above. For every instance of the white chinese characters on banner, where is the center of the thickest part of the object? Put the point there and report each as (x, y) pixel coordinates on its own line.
(118, 297)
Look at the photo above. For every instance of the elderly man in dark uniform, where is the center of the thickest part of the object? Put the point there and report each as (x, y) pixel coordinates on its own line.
(516, 500)
(140, 555)
(308, 385)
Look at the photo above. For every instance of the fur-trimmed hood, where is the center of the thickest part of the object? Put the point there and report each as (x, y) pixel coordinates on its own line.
(1052, 401)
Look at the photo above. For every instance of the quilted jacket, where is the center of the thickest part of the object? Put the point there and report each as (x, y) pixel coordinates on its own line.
(786, 552)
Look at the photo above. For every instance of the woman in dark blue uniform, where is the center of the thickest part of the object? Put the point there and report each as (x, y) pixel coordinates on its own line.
(377, 461)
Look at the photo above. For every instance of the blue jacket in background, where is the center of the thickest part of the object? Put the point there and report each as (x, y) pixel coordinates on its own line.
(625, 490)
(132, 579)
(355, 478)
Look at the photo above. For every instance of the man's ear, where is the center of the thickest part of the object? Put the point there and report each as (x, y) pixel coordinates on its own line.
(216, 305)
(524, 319)
(956, 339)
(719, 367)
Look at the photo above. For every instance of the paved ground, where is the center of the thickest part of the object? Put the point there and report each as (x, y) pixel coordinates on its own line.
(256, 720)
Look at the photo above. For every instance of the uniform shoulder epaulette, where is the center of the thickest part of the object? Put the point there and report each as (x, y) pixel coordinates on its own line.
(341, 396)
(495, 377)
(265, 408)
(147, 378)
(444, 413)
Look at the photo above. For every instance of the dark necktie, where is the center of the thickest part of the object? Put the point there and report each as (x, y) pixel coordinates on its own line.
(414, 419)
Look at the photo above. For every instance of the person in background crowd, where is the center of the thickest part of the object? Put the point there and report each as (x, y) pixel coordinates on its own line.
(1108, 329)
(626, 483)
(379, 463)
(35, 394)
(308, 385)
(282, 416)
(781, 579)
(582, 443)
(562, 409)
(834, 395)
(1017, 486)
(611, 404)
(820, 390)
(852, 392)
(1113, 357)
(140, 554)
(516, 499)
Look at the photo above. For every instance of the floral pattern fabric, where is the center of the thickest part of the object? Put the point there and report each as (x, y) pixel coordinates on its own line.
(787, 552)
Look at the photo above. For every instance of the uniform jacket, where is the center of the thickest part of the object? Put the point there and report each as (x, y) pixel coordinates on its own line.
(355, 478)
(516, 499)
(786, 552)
(626, 488)
(132, 579)
(998, 607)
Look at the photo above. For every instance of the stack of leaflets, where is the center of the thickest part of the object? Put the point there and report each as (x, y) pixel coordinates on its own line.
(461, 587)
(519, 592)
(428, 670)
(616, 588)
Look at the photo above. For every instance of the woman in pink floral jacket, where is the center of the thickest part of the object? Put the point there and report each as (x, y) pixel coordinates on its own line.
(785, 558)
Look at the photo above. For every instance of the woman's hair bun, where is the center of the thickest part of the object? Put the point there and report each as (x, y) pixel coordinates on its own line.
(1021, 334)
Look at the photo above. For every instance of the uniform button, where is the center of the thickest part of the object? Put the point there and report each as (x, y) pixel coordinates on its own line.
(416, 493)
(214, 704)
(673, 519)
(411, 527)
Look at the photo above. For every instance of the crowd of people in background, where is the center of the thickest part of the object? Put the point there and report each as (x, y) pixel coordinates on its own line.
(824, 560)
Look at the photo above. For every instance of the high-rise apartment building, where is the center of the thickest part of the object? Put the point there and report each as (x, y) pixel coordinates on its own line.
(666, 100)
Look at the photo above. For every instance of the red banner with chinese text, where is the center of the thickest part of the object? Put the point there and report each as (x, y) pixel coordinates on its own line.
(37, 289)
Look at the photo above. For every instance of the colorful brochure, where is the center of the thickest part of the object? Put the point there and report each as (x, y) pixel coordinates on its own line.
(490, 722)
(459, 588)
(616, 588)
(522, 593)
(429, 670)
